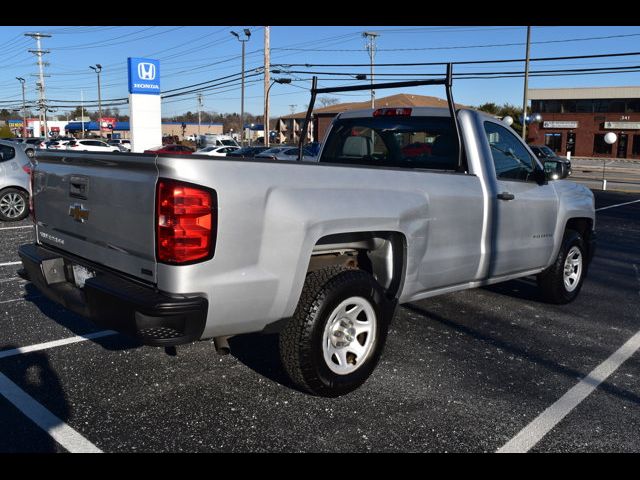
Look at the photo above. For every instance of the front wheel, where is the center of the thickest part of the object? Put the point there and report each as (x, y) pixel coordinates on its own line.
(335, 338)
(562, 281)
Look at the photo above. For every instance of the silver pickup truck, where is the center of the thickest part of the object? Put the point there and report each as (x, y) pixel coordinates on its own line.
(400, 205)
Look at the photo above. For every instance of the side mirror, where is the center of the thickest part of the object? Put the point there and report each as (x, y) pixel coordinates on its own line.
(556, 170)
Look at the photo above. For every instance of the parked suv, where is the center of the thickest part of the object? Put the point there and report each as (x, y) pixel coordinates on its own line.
(14, 182)
(91, 146)
(546, 155)
(30, 144)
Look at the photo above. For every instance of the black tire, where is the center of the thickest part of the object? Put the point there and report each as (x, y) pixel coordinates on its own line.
(552, 280)
(301, 341)
(10, 211)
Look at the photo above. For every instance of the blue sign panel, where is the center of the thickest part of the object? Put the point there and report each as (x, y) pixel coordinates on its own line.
(144, 76)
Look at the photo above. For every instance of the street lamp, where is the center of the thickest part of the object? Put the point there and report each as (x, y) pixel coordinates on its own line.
(98, 69)
(24, 118)
(609, 138)
(247, 33)
(273, 82)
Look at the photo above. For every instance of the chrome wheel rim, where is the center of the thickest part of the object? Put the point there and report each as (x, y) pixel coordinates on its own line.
(12, 205)
(349, 335)
(572, 269)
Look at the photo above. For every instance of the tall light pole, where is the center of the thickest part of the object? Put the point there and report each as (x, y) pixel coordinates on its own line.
(24, 108)
(275, 80)
(98, 69)
(526, 88)
(247, 33)
(371, 48)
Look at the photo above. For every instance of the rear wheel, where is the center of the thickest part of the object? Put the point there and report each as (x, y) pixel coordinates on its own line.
(14, 205)
(335, 338)
(562, 281)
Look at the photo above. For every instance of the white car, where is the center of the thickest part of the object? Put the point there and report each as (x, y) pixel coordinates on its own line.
(216, 151)
(58, 144)
(86, 145)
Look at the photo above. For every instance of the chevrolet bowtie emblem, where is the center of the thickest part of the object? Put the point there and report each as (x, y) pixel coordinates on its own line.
(78, 213)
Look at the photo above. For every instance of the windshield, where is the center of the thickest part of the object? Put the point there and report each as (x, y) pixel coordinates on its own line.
(404, 142)
(548, 152)
(229, 143)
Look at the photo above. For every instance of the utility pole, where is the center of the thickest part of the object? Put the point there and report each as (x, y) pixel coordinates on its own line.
(24, 108)
(199, 117)
(371, 48)
(267, 79)
(82, 110)
(42, 104)
(526, 88)
(247, 33)
(98, 69)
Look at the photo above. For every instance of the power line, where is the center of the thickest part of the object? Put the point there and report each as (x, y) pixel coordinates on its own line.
(466, 62)
(458, 47)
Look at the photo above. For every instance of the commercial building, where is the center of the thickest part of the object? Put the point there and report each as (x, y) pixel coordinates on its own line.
(121, 129)
(576, 120)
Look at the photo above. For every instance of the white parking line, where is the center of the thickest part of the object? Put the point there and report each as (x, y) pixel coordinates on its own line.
(12, 300)
(530, 435)
(16, 228)
(7, 264)
(62, 433)
(618, 205)
(55, 343)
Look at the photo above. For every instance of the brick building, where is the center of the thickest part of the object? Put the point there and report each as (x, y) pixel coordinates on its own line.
(577, 119)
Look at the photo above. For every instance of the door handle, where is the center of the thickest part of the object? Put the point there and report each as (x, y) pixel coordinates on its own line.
(506, 196)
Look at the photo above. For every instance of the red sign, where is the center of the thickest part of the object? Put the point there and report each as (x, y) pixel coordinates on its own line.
(107, 124)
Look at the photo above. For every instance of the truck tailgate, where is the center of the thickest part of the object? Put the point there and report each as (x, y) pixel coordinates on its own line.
(99, 207)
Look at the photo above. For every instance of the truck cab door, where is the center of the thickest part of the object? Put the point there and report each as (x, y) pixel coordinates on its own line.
(524, 212)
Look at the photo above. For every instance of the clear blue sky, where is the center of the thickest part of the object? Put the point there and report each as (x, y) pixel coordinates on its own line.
(194, 54)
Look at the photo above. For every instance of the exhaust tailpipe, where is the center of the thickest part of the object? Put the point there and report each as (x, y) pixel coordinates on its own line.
(222, 345)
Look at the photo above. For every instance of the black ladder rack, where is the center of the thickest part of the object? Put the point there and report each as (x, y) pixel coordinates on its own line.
(446, 81)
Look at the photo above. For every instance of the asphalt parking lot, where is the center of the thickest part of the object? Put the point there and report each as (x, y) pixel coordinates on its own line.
(464, 372)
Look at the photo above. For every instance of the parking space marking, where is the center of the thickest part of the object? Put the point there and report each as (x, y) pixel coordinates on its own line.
(16, 228)
(8, 264)
(62, 433)
(530, 435)
(617, 205)
(12, 300)
(55, 343)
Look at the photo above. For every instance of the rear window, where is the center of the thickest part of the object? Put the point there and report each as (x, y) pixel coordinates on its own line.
(401, 142)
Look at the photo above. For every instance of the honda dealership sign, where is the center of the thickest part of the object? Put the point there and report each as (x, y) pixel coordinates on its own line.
(144, 103)
(144, 76)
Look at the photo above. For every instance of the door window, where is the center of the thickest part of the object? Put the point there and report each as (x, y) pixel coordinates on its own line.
(511, 158)
(7, 153)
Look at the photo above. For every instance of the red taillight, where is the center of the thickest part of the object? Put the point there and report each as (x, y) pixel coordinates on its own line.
(27, 168)
(392, 112)
(185, 222)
